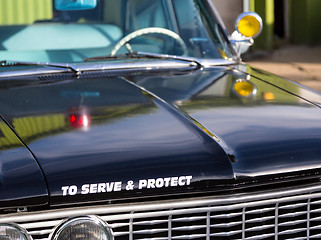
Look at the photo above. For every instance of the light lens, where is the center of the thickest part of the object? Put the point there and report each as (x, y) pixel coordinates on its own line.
(83, 228)
(249, 24)
(13, 232)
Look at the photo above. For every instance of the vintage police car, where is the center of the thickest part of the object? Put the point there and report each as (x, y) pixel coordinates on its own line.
(137, 119)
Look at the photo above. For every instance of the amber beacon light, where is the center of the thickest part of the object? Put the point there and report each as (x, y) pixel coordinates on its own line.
(249, 24)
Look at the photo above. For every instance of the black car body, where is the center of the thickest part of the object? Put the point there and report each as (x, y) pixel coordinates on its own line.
(156, 146)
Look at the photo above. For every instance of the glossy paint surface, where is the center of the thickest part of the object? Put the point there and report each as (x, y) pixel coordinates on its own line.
(92, 131)
(270, 132)
(21, 178)
(102, 138)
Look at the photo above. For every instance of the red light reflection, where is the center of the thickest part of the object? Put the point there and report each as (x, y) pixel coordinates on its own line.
(79, 120)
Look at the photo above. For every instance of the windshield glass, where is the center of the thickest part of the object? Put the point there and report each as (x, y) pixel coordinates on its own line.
(35, 30)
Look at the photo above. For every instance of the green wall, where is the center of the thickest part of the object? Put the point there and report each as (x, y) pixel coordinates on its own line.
(304, 17)
(265, 8)
(305, 21)
(11, 11)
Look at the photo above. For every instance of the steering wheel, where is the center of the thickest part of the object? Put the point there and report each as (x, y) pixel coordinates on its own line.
(145, 31)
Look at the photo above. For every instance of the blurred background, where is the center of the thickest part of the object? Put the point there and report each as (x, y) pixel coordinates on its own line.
(290, 43)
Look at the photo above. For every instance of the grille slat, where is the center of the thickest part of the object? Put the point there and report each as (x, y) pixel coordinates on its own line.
(316, 236)
(283, 215)
(263, 236)
(227, 216)
(149, 223)
(226, 234)
(189, 219)
(189, 228)
(292, 223)
(315, 227)
(260, 211)
(118, 234)
(316, 211)
(194, 236)
(41, 232)
(298, 238)
(40, 224)
(153, 231)
(259, 228)
(118, 225)
(292, 231)
(158, 238)
(293, 206)
(293, 215)
(226, 225)
(259, 220)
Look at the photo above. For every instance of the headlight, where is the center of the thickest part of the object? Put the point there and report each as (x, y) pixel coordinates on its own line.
(82, 228)
(13, 232)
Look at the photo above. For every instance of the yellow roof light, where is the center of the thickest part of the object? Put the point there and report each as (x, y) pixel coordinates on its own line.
(249, 24)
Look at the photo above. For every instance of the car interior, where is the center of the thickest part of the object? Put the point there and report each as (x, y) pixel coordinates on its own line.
(71, 36)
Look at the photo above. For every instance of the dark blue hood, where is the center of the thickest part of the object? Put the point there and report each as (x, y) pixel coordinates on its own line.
(274, 131)
(106, 138)
(21, 180)
(146, 135)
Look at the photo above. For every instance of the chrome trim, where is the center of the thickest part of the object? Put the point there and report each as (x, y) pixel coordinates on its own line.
(268, 213)
(144, 65)
(35, 64)
(32, 71)
(134, 64)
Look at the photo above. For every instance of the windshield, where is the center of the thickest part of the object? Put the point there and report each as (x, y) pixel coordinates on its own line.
(35, 30)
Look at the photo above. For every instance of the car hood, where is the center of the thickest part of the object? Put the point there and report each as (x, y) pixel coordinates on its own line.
(145, 135)
(21, 178)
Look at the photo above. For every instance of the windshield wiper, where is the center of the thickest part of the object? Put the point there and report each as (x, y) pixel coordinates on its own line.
(137, 55)
(8, 63)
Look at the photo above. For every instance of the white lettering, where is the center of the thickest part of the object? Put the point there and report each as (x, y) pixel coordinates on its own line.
(85, 189)
(167, 181)
(93, 188)
(72, 190)
(151, 183)
(159, 183)
(188, 180)
(117, 187)
(64, 190)
(101, 187)
(174, 181)
(181, 181)
(109, 186)
(142, 184)
(164, 182)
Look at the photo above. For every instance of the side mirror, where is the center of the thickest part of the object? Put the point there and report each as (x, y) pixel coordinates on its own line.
(248, 26)
(70, 5)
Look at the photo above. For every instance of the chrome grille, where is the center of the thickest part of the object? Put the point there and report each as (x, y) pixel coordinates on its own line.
(288, 214)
